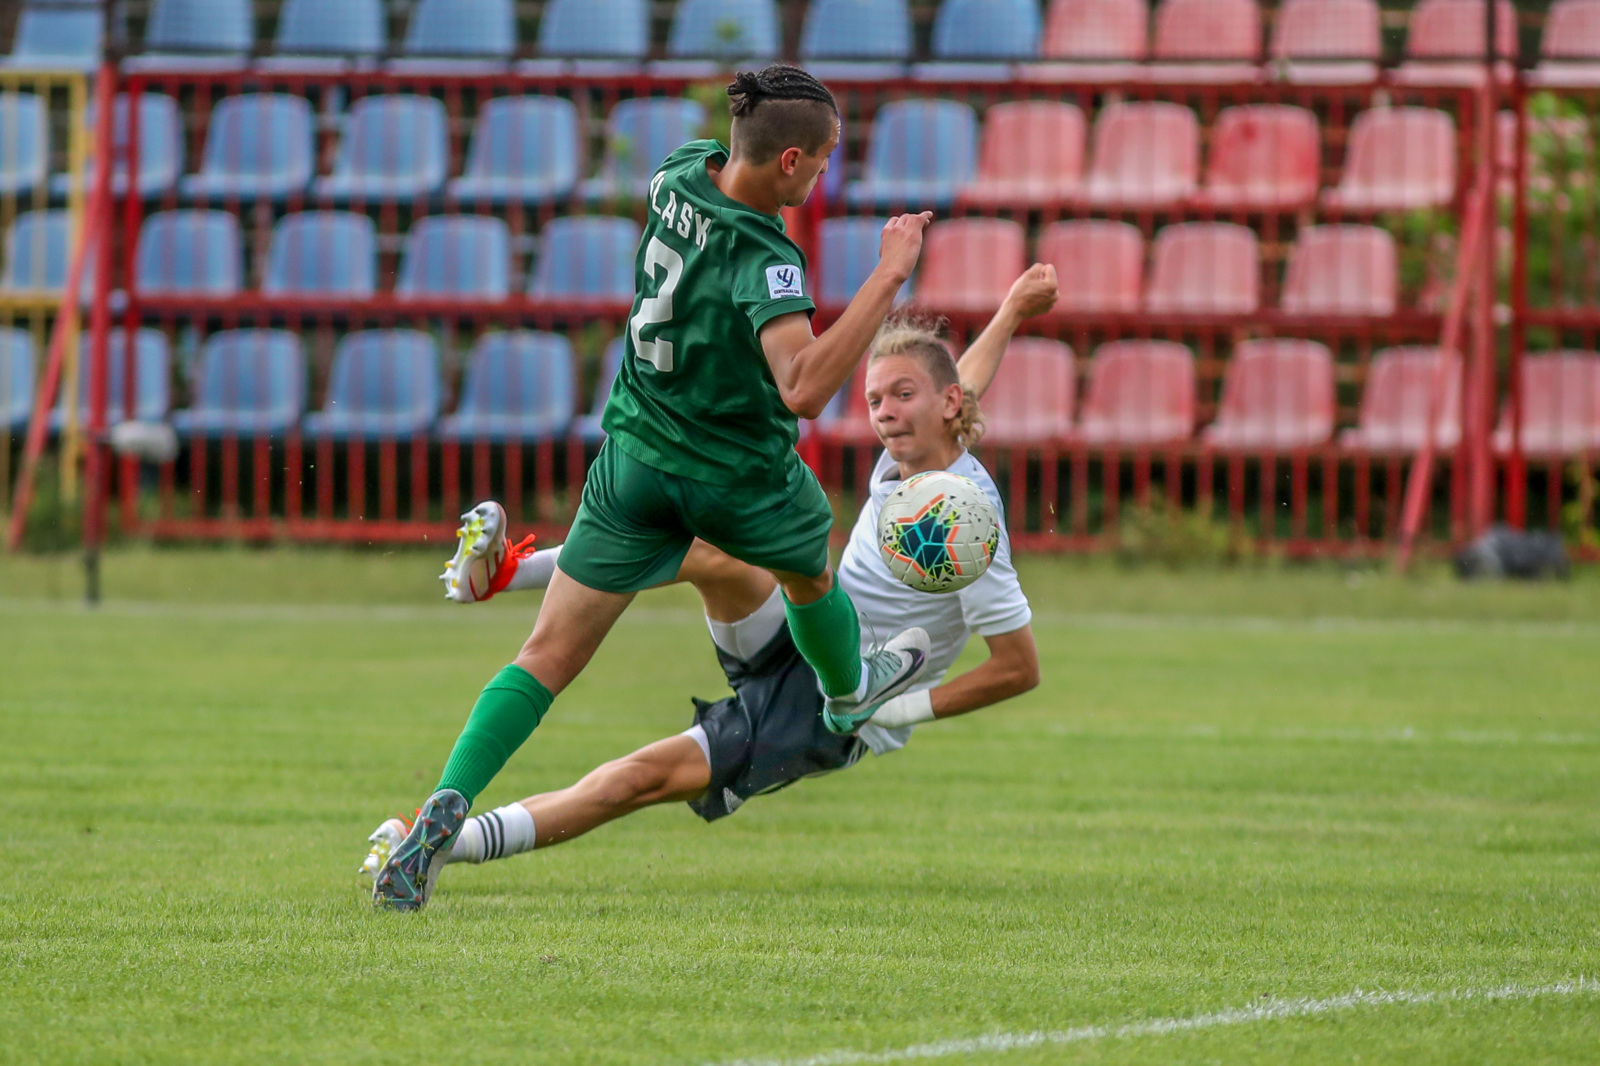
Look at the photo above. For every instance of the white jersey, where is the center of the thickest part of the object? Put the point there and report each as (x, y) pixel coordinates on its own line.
(992, 605)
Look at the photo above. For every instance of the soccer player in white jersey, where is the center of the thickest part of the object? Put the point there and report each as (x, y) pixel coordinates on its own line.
(771, 732)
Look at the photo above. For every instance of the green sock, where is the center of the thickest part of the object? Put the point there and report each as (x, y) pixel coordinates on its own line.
(829, 636)
(507, 712)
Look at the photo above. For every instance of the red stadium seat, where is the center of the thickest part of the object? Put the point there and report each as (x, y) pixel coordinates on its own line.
(1560, 406)
(1031, 156)
(1206, 268)
(854, 425)
(1398, 399)
(1140, 393)
(1092, 41)
(1033, 395)
(1399, 159)
(968, 264)
(1342, 270)
(1099, 264)
(1446, 44)
(1277, 396)
(1264, 157)
(1328, 42)
(1226, 32)
(1146, 155)
(1570, 48)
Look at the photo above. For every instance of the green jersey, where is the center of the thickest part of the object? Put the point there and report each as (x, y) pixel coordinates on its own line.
(695, 396)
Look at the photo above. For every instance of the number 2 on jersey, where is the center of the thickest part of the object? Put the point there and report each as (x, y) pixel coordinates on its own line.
(657, 310)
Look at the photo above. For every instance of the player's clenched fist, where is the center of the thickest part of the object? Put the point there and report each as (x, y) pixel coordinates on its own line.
(1034, 292)
(901, 243)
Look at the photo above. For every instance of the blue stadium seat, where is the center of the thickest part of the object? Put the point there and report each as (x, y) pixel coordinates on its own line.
(393, 149)
(316, 36)
(588, 426)
(384, 383)
(524, 149)
(856, 40)
(458, 37)
(55, 38)
(605, 30)
(322, 253)
(160, 147)
(978, 39)
(922, 151)
(196, 35)
(24, 143)
(36, 252)
(152, 377)
(585, 257)
(518, 387)
(847, 252)
(731, 31)
(258, 147)
(189, 253)
(728, 29)
(38, 258)
(248, 382)
(16, 379)
(464, 257)
(640, 133)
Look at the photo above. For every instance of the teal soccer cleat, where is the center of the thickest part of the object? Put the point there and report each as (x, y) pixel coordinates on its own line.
(890, 669)
(405, 881)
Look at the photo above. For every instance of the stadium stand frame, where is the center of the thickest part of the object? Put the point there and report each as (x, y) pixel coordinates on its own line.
(1342, 182)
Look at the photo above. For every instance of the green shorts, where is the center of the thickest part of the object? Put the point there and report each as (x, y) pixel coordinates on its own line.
(636, 523)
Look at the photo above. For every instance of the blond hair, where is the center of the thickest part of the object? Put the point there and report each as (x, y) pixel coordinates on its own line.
(920, 337)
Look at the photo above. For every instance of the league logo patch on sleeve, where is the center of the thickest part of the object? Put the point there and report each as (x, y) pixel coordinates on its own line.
(784, 281)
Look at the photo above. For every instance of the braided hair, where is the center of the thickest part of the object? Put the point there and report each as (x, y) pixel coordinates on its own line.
(777, 108)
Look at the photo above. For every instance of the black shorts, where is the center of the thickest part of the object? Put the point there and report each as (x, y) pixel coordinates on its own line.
(769, 734)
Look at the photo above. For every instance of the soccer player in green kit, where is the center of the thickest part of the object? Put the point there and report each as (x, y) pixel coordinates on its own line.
(701, 427)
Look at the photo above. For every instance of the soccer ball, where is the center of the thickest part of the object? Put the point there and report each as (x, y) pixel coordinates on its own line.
(938, 531)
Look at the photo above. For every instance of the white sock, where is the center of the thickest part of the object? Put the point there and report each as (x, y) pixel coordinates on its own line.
(469, 844)
(535, 571)
(746, 637)
(499, 834)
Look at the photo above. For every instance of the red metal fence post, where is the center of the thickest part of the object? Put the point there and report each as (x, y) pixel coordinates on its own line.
(96, 455)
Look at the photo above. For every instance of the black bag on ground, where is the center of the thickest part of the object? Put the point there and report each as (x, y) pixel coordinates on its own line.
(1507, 552)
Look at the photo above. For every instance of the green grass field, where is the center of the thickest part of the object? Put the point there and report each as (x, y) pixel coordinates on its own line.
(1233, 789)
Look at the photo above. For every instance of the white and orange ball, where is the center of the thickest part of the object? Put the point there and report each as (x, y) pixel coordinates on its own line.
(938, 531)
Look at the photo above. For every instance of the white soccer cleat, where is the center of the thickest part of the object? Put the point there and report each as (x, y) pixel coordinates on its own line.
(484, 560)
(384, 840)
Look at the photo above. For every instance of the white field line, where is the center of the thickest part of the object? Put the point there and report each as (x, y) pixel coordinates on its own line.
(1324, 624)
(443, 614)
(1265, 1011)
(447, 613)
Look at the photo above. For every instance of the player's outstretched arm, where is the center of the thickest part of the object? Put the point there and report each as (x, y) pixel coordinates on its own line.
(809, 369)
(1033, 293)
(1011, 669)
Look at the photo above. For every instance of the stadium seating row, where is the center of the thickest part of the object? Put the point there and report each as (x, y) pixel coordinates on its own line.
(383, 384)
(1146, 155)
(1201, 268)
(1196, 268)
(394, 147)
(1277, 395)
(334, 254)
(1311, 40)
(923, 153)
